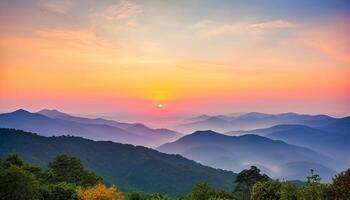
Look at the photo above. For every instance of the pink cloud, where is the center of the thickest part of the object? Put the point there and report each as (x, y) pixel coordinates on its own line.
(332, 40)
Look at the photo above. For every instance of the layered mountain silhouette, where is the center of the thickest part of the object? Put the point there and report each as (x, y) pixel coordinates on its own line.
(249, 121)
(332, 139)
(53, 122)
(130, 167)
(238, 152)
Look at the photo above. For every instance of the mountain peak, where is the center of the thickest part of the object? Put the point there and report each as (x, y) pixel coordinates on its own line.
(206, 133)
(52, 113)
(21, 111)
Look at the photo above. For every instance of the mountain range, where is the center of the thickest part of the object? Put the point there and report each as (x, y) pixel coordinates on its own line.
(332, 139)
(274, 157)
(52, 122)
(284, 146)
(132, 168)
(249, 121)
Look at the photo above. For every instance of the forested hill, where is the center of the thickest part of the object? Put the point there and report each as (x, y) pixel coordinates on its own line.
(130, 167)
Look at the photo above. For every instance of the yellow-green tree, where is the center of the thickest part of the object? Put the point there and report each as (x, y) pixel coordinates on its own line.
(99, 192)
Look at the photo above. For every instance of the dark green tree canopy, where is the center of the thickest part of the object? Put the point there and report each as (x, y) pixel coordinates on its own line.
(17, 184)
(70, 169)
(246, 179)
(203, 191)
(14, 159)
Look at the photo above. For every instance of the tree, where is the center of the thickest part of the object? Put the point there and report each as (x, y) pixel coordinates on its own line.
(156, 196)
(134, 196)
(245, 181)
(267, 190)
(60, 191)
(288, 191)
(70, 169)
(99, 192)
(340, 188)
(203, 191)
(14, 159)
(313, 189)
(17, 184)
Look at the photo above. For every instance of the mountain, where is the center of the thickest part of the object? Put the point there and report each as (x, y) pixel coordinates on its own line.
(129, 167)
(55, 114)
(253, 120)
(341, 125)
(238, 152)
(298, 130)
(65, 124)
(301, 170)
(332, 139)
(53, 122)
(158, 136)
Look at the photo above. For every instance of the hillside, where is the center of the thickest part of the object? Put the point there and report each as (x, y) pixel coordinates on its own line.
(253, 120)
(53, 122)
(130, 167)
(332, 139)
(238, 152)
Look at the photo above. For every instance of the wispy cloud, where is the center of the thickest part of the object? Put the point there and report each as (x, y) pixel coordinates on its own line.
(332, 40)
(80, 37)
(57, 6)
(117, 17)
(209, 28)
(275, 24)
(122, 11)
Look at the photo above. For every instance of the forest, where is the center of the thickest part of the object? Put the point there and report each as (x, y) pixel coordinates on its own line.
(66, 178)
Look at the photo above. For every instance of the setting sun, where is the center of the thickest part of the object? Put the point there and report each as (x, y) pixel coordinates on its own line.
(160, 106)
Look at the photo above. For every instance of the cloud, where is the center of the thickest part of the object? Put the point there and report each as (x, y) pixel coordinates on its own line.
(122, 11)
(275, 24)
(209, 28)
(332, 40)
(116, 17)
(81, 37)
(57, 6)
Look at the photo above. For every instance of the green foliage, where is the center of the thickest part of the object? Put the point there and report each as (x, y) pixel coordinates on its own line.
(156, 196)
(340, 188)
(14, 159)
(313, 189)
(274, 190)
(60, 191)
(22, 181)
(203, 191)
(268, 190)
(131, 167)
(70, 169)
(245, 181)
(288, 191)
(17, 184)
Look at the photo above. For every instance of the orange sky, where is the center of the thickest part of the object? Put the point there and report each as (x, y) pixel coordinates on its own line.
(123, 58)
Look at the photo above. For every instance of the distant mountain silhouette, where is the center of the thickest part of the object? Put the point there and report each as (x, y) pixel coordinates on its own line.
(159, 136)
(53, 122)
(332, 139)
(238, 152)
(253, 120)
(130, 167)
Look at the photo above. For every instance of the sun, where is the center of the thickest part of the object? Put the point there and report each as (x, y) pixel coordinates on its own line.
(160, 106)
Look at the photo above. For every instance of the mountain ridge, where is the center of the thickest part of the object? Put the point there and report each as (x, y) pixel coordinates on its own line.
(130, 167)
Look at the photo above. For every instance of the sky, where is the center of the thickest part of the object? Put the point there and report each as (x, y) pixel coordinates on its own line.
(161, 60)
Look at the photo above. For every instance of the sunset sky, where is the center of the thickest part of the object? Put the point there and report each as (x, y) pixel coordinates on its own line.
(161, 60)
